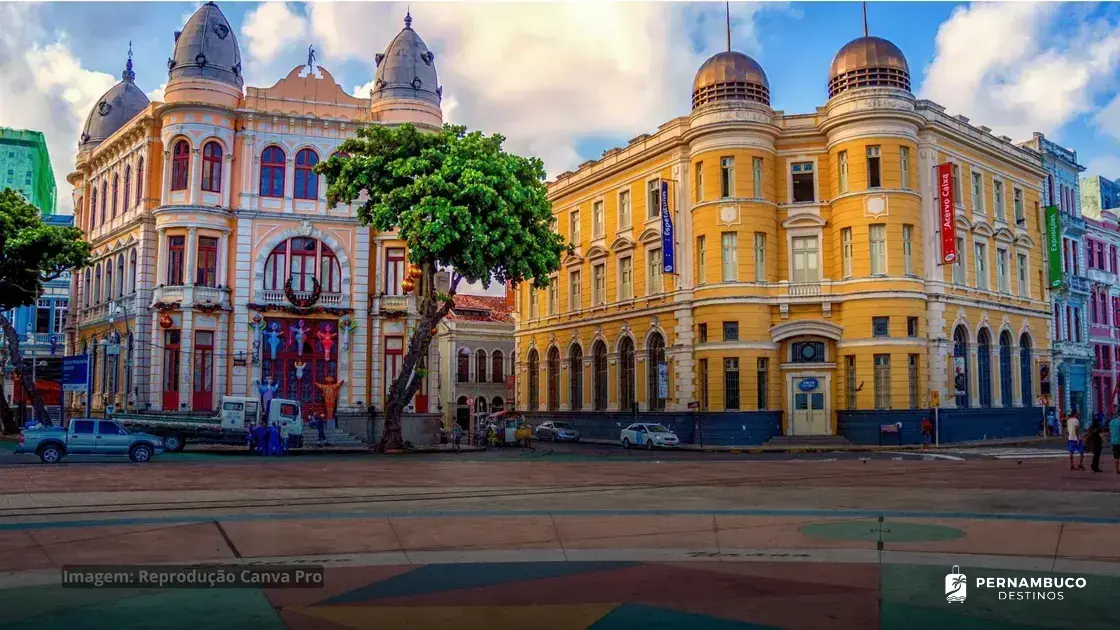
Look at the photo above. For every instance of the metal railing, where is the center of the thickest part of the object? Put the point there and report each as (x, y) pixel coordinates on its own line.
(278, 297)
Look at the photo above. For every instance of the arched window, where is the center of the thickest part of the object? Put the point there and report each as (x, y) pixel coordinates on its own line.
(120, 275)
(656, 360)
(463, 368)
(497, 404)
(960, 366)
(626, 396)
(575, 378)
(108, 280)
(272, 172)
(497, 371)
(212, 167)
(599, 375)
(127, 188)
(480, 366)
(298, 259)
(307, 182)
(140, 181)
(87, 290)
(984, 366)
(553, 379)
(534, 380)
(1025, 372)
(1005, 394)
(116, 193)
(92, 208)
(132, 272)
(180, 165)
(104, 202)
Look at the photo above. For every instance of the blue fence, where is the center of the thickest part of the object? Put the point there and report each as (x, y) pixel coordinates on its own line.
(957, 425)
(743, 428)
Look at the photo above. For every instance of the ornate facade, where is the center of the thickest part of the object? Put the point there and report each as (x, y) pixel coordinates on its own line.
(1100, 207)
(218, 266)
(807, 282)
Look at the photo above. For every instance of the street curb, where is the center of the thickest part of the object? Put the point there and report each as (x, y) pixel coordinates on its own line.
(847, 448)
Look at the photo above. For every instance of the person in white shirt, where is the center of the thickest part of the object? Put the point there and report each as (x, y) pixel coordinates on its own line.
(1074, 441)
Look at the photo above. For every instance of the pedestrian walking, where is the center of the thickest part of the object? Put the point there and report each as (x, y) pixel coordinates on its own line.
(458, 433)
(1114, 439)
(1094, 443)
(1074, 441)
(322, 425)
(927, 432)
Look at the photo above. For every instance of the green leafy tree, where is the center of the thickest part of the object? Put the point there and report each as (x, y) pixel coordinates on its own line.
(458, 201)
(31, 253)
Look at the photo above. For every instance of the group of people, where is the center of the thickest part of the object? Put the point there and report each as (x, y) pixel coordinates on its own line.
(1092, 439)
(269, 440)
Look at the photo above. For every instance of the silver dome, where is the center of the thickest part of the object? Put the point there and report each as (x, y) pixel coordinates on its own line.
(114, 109)
(207, 48)
(407, 69)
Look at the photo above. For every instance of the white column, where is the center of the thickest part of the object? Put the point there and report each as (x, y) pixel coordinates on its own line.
(588, 381)
(223, 259)
(1016, 379)
(156, 373)
(997, 376)
(289, 184)
(192, 255)
(161, 256)
(165, 193)
(186, 359)
(196, 175)
(973, 377)
(226, 176)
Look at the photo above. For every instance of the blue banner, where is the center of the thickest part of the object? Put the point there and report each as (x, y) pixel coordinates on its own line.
(668, 257)
(75, 373)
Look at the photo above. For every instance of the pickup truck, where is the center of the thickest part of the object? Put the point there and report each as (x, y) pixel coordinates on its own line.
(88, 436)
(230, 425)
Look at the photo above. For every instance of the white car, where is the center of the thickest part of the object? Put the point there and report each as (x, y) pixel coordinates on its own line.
(649, 435)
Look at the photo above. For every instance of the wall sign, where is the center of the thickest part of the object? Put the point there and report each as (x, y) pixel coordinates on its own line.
(808, 384)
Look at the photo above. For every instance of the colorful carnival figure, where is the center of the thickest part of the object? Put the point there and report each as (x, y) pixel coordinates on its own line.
(346, 328)
(326, 337)
(299, 366)
(299, 333)
(257, 326)
(267, 391)
(272, 336)
(330, 394)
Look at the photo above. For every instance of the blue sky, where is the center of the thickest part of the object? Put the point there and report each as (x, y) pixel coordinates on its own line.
(566, 82)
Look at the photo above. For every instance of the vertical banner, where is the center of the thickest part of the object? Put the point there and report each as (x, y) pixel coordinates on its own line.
(1054, 245)
(663, 381)
(667, 236)
(946, 214)
(960, 376)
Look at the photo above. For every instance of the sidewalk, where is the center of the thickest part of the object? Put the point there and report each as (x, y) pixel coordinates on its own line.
(832, 448)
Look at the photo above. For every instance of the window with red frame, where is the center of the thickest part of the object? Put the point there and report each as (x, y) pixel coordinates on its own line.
(394, 351)
(127, 188)
(1058, 322)
(1065, 255)
(140, 181)
(1069, 323)
(1077, 325)
(394, 270)
(307, 182)
(212, 167)
(116, 193)
(272, 172)
(1112, 259)
(206, 272)
(298, 259)
(1076, 261)
(180, 165)
(176, 246)
(1093, 309)
(1116, 312)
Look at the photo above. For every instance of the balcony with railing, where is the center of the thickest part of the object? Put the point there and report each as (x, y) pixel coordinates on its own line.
(278, 297)
(809, 290)
(1077, 283)
(189, 295)
(393, 303)
(1101, 276)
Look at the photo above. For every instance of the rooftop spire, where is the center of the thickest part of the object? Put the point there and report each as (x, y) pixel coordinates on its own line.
(408, 18)
(727, 5)
(128, 75)
(865, 19)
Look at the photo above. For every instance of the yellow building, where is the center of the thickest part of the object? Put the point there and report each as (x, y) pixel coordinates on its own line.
(807, 298)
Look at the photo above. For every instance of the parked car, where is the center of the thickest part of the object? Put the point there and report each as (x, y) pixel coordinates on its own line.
(88, 436)
(556, 431)
(649, 435)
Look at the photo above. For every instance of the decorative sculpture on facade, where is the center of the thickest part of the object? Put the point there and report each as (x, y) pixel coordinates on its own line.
(330, 388)
(326, 337)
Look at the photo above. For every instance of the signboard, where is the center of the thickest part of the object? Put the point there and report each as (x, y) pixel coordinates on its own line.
(693, 404)
(946, 214)
(808, 384)
(668, 254)
(75, 373)
(663, 381)
(1044, 379)
(1054, 245)
(960, 377)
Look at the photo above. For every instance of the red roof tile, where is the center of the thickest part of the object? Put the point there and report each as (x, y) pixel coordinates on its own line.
(481, 308)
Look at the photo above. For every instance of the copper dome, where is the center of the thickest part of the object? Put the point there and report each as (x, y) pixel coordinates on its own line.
(868, 62)
(730, 76)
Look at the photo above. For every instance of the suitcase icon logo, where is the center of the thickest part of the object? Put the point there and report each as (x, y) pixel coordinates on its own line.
(956, 586)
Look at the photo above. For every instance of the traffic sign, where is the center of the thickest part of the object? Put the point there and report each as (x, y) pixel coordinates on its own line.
(75, 373)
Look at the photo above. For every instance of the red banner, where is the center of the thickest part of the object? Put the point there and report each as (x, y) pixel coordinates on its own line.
(946, 214)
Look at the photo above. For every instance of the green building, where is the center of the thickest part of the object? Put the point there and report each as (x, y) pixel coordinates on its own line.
(25, 166)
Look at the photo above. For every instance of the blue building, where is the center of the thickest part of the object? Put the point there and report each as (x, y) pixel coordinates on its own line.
(1072, 349)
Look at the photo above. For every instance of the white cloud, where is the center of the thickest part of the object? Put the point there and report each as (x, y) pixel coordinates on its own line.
(992, 65)
(269, 29)
(544, 75)
(1107, 166)
(45, 88)
(157, 93)
(1108, 119)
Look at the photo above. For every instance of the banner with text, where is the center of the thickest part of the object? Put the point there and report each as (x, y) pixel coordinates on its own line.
(667, 237)
(1054, 245)
(946, 214)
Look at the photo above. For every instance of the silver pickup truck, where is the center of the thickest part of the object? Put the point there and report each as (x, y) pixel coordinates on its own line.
(88, 436)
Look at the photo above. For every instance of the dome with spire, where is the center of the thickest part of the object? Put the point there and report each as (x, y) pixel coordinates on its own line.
(407, 69)
(114, 109)
(207, 48)
(868, 62)
(730, 76)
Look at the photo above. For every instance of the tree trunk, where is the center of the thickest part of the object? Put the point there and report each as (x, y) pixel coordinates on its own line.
(408, 382)
(25, 379)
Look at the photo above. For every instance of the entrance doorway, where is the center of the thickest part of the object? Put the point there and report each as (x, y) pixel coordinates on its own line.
(810, 413)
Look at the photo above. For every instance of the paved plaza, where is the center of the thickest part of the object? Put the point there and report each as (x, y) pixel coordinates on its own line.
(440, 542)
